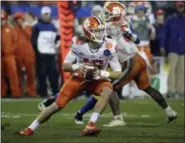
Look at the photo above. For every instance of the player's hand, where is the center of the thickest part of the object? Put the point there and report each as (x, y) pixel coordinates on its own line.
(127, 34)
(96, 73)
(83, 68)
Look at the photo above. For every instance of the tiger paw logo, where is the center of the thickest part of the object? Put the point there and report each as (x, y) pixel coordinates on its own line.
(116, 10)
(108, 45)
(87, 23)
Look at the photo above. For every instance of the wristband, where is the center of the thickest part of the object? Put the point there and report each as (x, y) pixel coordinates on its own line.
(75, 67)
(104, 74)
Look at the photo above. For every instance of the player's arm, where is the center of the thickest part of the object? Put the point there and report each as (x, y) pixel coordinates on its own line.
(129, 33)
(116, 67)
(68, 65)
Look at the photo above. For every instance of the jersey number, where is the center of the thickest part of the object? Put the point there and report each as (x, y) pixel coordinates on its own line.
(97, 63)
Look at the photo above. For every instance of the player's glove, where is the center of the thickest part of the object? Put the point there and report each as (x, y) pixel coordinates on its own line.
(100, 74)
(127, 34)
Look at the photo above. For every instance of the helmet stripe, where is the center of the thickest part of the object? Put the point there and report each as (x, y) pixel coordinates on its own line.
(99, 21)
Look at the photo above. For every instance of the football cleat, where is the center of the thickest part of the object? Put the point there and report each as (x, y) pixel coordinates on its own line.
(45, 103)
(172, 115)
(78, 119)
(91, 130)
(26, 132)
(115, 123)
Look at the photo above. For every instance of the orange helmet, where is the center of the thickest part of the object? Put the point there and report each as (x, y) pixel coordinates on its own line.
(94, 29)
(114, 11)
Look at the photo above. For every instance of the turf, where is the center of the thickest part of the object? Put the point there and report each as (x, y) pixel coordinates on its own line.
(146, 123)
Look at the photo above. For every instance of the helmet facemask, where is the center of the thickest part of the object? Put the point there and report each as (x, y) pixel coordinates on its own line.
(97, 35)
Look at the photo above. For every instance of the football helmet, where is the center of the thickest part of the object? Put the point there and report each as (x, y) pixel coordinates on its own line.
(94, 29)
(114, 11)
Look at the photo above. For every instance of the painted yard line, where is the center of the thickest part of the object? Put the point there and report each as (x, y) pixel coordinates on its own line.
(106, 115)
(39, 99)
(21, 100)
(70, 116)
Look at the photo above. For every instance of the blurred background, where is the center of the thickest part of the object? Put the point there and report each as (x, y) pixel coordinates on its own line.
(36, 35)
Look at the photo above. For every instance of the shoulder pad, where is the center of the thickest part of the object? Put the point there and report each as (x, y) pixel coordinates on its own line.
(111, 45)
(77, 41)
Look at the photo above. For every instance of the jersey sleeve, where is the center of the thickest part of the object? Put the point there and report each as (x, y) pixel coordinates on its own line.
(77, 42)
(114, 63)
(70, 57)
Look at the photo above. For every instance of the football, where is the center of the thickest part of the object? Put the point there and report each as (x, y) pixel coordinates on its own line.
(88, 75)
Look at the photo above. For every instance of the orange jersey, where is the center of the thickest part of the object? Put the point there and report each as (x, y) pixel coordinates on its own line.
(9, 40)
(25, 48)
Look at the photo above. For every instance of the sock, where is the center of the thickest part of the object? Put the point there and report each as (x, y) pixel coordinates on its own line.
(34, 125)
(157, 96)
(118, 117)
(94, 117)
(88, 106)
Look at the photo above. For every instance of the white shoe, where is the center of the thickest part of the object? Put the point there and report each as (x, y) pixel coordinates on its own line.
(41, 105)
(78, 122)
(172, 115)
(115, 123)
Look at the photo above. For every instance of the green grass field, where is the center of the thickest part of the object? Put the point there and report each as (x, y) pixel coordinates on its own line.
(146, 123)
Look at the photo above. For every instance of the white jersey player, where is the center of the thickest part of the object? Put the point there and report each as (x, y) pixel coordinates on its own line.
(97, 50)
(136, 62)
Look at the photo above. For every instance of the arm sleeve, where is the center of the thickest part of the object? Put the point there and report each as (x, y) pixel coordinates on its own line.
(34, 37)
(70, 58)
(114, 63)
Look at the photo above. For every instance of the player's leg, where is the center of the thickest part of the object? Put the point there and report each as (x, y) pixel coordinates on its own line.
(142, 81)
(3, 79)
(31, 76)
(103, 89)
(115, 107)
(64, 97)
(128, 73)
(11, 72)
(88, 106)
(53, 74)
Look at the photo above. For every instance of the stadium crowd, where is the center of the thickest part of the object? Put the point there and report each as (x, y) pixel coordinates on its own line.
(31, 43)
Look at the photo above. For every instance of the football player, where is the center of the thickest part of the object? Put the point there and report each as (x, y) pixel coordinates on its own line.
(118, 27)
(136, 65)
(88, 73)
